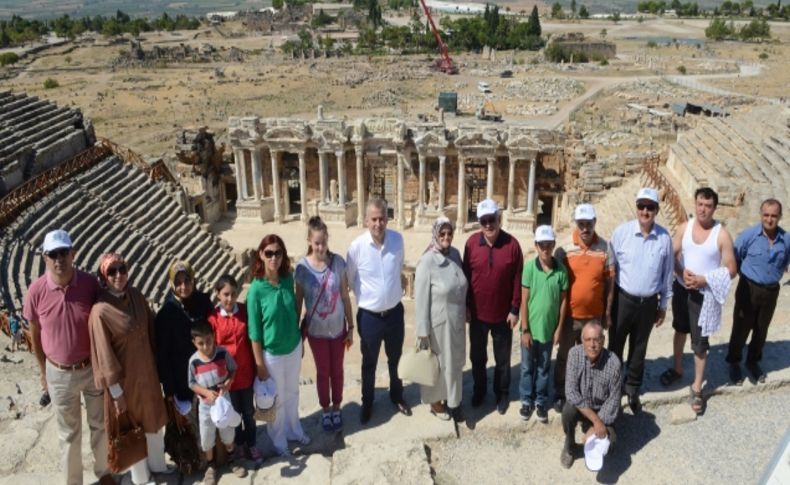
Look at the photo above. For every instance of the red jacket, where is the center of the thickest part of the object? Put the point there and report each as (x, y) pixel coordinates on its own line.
(231, 332)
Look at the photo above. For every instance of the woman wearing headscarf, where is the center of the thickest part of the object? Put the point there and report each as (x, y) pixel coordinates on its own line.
(440, 316)
(183, 306)
(121, 331)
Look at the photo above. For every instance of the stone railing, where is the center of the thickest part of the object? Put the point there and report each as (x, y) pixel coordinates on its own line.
(670, 199)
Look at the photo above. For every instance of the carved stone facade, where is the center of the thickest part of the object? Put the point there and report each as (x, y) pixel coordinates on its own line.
(288, 169)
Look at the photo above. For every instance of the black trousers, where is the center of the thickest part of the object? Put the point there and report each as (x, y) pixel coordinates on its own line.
(242, 401)
(502, 338)
(754, 309)
(571, 417)
(632, 321)
(373, 330)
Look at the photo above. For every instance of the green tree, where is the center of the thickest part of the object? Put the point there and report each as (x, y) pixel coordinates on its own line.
(8, 58)
(583, 13)
(277, 4)
(533, 24)
(756, 29)
(556, 11)
(374, 13)
(603, 33)
(718, 30)
(615, 17)
(573, 8)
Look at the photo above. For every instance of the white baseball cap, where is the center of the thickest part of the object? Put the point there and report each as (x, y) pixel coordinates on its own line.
(55, 240)
(648, 193)
(584, 212)
(265, 392)
(544, 233)
(486, 208)
(594, 450)
(222, 413)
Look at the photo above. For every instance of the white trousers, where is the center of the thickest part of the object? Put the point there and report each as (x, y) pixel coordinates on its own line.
(285, 369)
(155, 462)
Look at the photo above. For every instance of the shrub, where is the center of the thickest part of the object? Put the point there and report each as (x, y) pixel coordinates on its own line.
(682, 69)
(763, 55)
(8, 58)
(652, 44)
(51, 83)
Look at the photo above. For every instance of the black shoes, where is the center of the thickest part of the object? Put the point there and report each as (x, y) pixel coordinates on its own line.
(559, 403)
(542, 414)
(366, 413)
(756, 371)
(634, 403)
(503, 404)
(736, 375)
(458, 414)
(526, 411)
(566, 457)
(402, 407)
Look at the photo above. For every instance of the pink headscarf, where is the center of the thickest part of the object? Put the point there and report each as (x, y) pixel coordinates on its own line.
(108, 260)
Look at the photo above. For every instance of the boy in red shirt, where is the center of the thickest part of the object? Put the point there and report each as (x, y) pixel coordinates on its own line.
(229, 321)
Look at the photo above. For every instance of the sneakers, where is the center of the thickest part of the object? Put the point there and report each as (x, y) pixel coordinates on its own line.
(256, 456)
(210, 476)
(543, 415)
(337, 420)
(526, 411)
(326, 422)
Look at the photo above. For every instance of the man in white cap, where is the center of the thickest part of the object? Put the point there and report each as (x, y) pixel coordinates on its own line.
(57, 305)
(590, 269)
(592, 386)
(544, 289)
(702, 246)
(492, 263)
(644, 264)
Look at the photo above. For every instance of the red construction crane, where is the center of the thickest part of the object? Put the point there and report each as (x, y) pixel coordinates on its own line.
(445, 64)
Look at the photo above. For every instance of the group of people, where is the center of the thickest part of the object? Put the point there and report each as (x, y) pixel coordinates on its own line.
(99, 338)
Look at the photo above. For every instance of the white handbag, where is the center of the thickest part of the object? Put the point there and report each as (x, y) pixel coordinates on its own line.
(419, 365)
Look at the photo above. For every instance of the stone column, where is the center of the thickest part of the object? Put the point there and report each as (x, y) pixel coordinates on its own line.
(322, 176)
(461, 218)
(442, 181)
(531, 189)
(360, 187)
(275, 156)
(400, 198)
(302, 186)
(256, 172)
(238, 156)
(511, 182)
(490, 179)
(341, 177)
(421, 195)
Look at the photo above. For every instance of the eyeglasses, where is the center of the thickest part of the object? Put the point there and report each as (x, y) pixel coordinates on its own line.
(649, 207)
(446, 234)
(487, 220)
(269, 254)
(58, 253)
(116, 270)
(544, 245)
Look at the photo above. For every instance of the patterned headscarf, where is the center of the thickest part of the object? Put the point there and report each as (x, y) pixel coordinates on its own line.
(178, 267)
(438, 224)
(105, 262)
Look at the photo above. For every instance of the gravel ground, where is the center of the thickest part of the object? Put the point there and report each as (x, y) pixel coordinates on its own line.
(732, 443)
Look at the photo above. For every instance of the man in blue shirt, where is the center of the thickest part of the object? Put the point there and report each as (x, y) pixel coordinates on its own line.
(643, 258)
(763, 255)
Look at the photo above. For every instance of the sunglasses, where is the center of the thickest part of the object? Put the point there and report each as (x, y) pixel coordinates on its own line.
(116, 270)
(446, 234)
(269, 254)
(650, 207)
(487, 220)
(58, 253)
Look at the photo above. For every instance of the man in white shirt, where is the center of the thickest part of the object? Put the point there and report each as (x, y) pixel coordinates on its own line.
(374, 264)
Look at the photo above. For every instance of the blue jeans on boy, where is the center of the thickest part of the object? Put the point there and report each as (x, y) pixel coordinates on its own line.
(535, 365)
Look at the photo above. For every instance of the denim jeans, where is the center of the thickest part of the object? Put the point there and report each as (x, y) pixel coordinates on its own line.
(535, 365)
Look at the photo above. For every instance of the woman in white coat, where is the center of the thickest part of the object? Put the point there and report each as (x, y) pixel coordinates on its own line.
(440, 304)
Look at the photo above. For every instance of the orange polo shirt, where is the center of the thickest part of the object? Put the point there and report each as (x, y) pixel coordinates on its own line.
(588, 269)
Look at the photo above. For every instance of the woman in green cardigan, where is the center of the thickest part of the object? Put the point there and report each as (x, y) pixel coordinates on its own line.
(276, 340)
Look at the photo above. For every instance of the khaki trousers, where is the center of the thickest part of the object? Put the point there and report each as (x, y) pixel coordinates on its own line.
(64, 389)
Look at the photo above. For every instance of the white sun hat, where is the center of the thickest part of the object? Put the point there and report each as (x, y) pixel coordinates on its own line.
(223, 414)
(594, 450)
(265, 392)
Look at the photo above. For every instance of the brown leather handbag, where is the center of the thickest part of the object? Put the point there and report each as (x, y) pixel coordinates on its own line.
(126, 443)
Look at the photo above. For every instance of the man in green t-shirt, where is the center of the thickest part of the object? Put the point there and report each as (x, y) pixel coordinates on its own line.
(544, 287)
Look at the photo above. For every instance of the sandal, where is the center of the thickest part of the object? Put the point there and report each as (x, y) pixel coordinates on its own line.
(669, 377)
(697, 401)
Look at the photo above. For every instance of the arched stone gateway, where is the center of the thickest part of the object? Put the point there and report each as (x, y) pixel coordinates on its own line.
(334, 166)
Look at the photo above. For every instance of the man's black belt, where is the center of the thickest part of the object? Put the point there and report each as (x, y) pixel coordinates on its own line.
(634, 298)
(381, 314)
(769, 286)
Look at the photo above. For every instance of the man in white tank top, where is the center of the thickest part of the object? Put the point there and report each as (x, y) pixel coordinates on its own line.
(701, 246)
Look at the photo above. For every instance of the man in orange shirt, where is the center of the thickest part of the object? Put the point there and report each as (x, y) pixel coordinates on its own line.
(591, 274)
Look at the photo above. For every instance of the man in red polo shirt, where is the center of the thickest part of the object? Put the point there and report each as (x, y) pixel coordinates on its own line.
(492, 263)
(57, 306)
